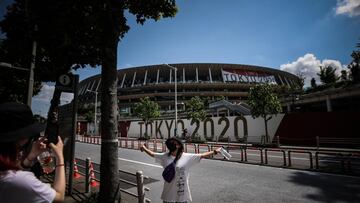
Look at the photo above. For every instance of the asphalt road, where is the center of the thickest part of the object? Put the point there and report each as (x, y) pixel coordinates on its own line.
(221, 181)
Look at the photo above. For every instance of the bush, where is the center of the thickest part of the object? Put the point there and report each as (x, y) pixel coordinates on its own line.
(145, 137)
(196, 139)
(267, 145)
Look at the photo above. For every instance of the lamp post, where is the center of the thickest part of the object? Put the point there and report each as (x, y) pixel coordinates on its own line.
(96, 93)
(175, 69)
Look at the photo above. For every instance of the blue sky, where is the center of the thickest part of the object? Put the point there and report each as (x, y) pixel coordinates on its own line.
(257, 32)
(292, 35)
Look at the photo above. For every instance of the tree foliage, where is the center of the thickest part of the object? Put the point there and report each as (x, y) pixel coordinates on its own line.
(109, 24)
(327, 75)
(302, 78)
(87, 111)
(354, 67)
(75, 33)
(313, 83)
(264, 103)
(195, 109)
(61, 33)
(344, 75)
(146, 109)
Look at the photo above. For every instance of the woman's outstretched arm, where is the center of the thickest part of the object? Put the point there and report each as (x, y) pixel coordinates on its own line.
(148, 151)
(208, 154)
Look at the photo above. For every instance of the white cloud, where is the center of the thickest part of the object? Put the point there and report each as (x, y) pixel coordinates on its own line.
(41, 102)
(349, 7)
(45, 93)
(308, 66)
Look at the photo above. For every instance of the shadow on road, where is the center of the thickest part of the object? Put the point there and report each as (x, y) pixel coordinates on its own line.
(328, 188)
(122, 175)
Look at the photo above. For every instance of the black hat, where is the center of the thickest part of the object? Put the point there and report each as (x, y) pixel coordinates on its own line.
(169, 142)
(17, 122)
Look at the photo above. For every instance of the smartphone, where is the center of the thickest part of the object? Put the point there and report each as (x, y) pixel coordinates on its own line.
(52, 129)
(51, 133)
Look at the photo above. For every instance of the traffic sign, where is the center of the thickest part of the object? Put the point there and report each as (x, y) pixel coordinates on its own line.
(65, 82)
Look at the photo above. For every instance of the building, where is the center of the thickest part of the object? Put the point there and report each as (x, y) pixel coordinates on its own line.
(210, 80)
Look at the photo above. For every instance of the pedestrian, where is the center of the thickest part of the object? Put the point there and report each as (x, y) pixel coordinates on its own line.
(176, 164)
(17, 131)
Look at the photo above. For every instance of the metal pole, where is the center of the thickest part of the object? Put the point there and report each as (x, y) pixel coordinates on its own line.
(87, 175)
(140, 186)
(96, 93)
(175, 69)
(74, 119)
(31, 75)
(176, 124)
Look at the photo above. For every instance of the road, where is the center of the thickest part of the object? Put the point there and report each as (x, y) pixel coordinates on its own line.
(221, 181)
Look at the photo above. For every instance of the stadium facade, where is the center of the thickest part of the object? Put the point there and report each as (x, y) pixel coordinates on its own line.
(211, 80)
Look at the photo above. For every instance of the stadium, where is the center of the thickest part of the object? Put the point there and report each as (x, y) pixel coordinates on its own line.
(207, 80)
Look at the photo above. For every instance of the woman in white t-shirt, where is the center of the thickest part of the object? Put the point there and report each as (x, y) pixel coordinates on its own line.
(177, 190)
(17, 131)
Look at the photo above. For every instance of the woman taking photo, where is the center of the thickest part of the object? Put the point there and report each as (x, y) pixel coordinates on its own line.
(17, 132)
(176, 184)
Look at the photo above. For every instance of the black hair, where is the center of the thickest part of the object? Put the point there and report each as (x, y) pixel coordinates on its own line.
(171, 145)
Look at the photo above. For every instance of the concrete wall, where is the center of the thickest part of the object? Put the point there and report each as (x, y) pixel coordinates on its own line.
(234, 127)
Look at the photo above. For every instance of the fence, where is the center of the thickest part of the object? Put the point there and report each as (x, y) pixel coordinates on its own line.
(331, 141)
(89, 172)
(244, 150)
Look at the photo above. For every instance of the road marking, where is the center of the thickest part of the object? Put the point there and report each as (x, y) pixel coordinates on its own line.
(138, 162)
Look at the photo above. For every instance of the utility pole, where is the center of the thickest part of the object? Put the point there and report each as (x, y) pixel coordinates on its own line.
(31, 75)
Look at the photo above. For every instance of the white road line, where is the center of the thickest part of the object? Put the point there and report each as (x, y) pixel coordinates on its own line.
(138, 162)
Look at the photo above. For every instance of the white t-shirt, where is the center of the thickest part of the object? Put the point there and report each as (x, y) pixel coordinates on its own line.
(178, 189)
(23, 186)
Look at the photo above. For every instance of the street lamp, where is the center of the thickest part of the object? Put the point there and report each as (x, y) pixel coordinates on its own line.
(175, 70)
(96, 93)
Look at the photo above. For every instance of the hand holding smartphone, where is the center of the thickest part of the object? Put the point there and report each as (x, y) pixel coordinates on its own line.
(52, 129)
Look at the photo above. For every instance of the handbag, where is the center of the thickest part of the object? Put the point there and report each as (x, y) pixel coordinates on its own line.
(169, 172)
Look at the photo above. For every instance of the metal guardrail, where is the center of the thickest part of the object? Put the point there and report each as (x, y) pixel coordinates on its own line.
(255, 148)
(344, 159)
(275, 150)
(300, 152)
(139, 181)
(243, 148)
(332, 140)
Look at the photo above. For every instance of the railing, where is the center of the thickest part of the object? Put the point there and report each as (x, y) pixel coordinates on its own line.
(342, 157)
(300, 152)
(254, 148)
(89, 172)
(337, 141)
(275, 150)
(243, 149)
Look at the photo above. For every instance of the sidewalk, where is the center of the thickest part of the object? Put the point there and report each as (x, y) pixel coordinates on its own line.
(334, 149)
(79, 196)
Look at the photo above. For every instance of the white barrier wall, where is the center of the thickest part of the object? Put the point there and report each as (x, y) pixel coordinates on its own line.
(235, 127)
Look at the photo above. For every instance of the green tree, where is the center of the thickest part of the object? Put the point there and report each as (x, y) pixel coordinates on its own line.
(264, 103)
(195, 109)
(327, 75)
(301, 79)
(313, 83)
(72, 34)
(110, 25)
(354, 67)
(219, 98)
(62, 44)
(87, 111)
(147, 110)
(344, 75)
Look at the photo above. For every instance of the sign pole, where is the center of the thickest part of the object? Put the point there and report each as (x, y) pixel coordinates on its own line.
(73, 137)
